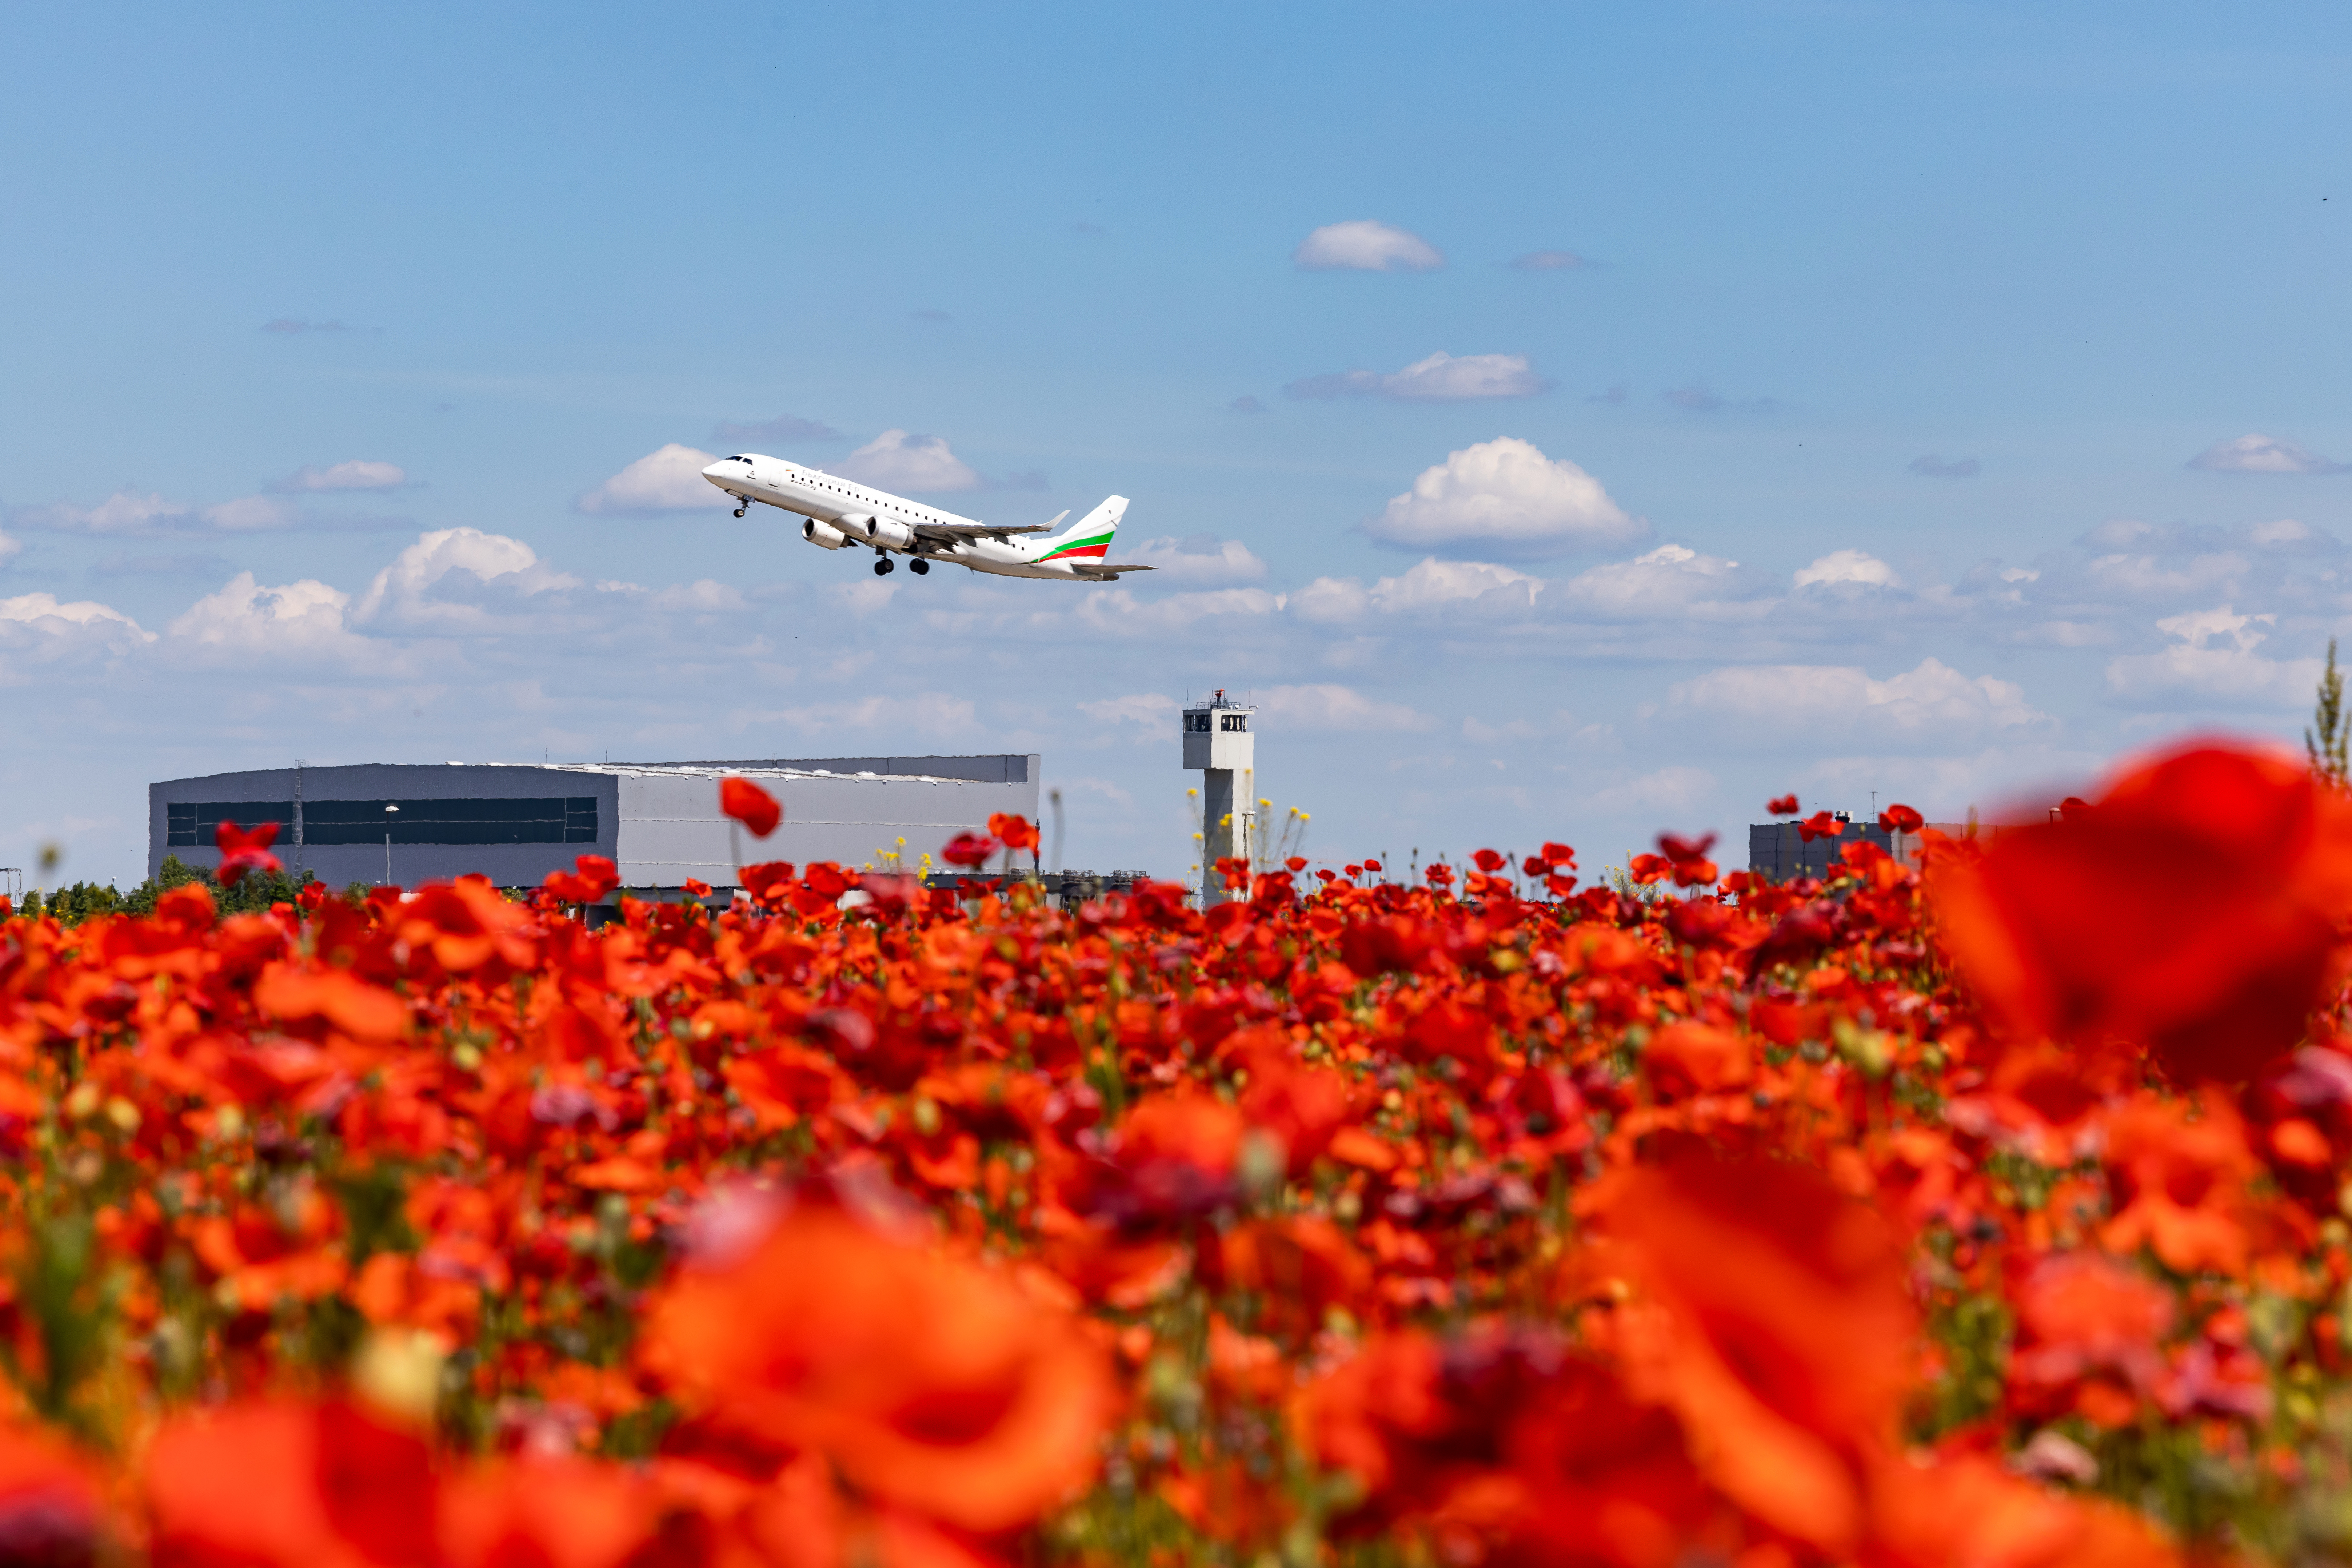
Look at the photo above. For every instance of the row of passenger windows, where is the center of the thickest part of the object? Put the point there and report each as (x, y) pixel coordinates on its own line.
(843, 489)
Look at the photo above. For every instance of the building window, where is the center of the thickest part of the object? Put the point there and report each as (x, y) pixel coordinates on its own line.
(1236, 723)
(554, 819)
(196, 825)
(1196, 723)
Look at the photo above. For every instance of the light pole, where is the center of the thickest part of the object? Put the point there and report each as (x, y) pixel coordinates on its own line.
(388, 814)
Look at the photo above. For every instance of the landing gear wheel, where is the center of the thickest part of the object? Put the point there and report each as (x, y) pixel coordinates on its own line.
(882, 567)
(920, 568)
(741, 510)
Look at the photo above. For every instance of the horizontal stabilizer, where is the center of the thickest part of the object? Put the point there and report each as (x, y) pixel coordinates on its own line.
(1106, 574)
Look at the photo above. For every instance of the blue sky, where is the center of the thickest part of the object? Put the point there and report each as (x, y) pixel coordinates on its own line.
(1932, 399)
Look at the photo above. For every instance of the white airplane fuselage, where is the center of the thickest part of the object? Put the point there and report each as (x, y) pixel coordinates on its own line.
(843, 512)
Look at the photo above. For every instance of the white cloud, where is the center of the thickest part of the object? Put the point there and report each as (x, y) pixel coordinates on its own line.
(923, 713)
(2262, 455)
(703, 596)
(669, 480)
(2147, 576)
(9, 545)
(125, 511)
(43, 612)
(1935, 466)
(1329, 707)
(893, 460)
(2211, 661)
(1442, 586)
(1203, 559)
(1116, 612)
(37, 629)
(306, 618)
(1843, 567)
(1442, 377)
(1153, 709)
(449, 578)
(864, 596)
(2285, 534)
(1360, 244)
(252, 514)
(359, 474)
(1504, 496)
(1671, 580)
(1934, 702)
(1656, 794)
(2198, 627)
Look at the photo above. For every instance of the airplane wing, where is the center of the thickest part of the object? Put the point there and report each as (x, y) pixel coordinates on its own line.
(949, 533)
(1105, 573)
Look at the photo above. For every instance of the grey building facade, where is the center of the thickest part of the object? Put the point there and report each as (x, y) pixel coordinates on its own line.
(413, 822)
(1776, 850)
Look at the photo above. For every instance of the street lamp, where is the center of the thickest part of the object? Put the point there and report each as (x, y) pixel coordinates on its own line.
(389, 811)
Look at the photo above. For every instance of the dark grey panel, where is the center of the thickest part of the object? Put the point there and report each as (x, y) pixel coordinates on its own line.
(1778, 851)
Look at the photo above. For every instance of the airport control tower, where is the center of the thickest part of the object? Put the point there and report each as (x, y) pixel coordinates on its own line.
(1217, 741)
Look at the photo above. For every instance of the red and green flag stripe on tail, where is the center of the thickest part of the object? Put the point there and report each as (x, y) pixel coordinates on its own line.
(1098, 546)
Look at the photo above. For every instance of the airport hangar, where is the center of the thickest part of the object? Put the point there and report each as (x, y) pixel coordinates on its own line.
(410, 824)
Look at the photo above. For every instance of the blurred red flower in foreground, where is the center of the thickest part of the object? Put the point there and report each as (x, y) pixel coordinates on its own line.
(970, 850)
(929, 1382)
(1781, 805)
(592, 878)
(1013, 831)
(1784, 1336)
(243, 850)
(749, 804)
(2190, 910)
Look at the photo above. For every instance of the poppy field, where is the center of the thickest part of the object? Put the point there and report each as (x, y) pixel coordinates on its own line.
(1989, 1211)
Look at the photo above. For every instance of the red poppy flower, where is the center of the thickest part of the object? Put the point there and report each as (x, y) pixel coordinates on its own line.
(1786, 1329)
(1901, 819)
(1820, 825)
(1013, 831)
(768, 880)
(1648, 868)
(749, 804)
(970, 850)
(933, 1384)
(1676, 848)
(592, 878)
(1781, 805)
(49, 1505)
(243, 850)
(2191, 912)
(282, 1484)
(1486, 860)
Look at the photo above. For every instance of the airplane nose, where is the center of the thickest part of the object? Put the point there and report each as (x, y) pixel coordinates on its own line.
(717, 473)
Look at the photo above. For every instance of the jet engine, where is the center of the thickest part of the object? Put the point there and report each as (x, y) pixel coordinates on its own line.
(871, 530)
(824, 534)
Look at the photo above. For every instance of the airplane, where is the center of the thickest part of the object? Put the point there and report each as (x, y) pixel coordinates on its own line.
(841, 511)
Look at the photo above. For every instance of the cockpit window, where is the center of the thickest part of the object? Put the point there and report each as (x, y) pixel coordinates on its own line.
(739, 457)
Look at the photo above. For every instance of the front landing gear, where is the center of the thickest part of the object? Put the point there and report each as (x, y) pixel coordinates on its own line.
(741, 505)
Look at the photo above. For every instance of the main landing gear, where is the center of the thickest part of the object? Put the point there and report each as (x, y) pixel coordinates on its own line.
(882, 566)
(919, 567)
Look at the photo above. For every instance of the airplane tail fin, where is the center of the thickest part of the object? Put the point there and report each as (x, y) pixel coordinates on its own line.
(1088, 538)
